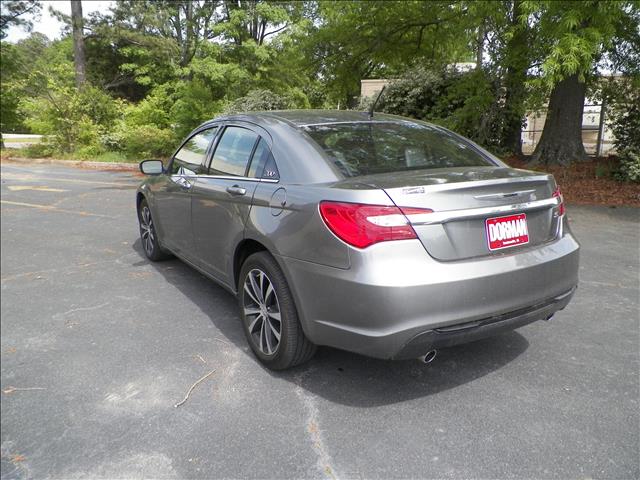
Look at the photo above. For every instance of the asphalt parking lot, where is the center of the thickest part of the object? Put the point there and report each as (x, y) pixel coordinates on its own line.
(98, 345)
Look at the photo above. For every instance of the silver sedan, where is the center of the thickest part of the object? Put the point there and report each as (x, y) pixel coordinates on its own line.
(381, 235)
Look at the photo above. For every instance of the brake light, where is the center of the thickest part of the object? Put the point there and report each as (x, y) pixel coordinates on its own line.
(560, 207)
(362, 225)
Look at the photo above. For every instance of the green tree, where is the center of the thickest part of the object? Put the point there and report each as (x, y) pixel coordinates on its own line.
(575, 37)
(77, 23)
(18, 13)
(354, 40)
(255, 20)
(18, 61)
(509, 47)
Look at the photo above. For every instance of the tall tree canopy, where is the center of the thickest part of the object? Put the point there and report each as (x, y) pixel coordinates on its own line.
(355, 40)
(574, 39)
(19, 13)
(154, 69)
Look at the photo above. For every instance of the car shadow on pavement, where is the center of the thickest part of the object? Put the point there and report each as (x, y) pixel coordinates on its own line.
(344, 377)
(358, 381)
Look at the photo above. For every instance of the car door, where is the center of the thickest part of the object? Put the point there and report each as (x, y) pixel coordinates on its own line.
(173, 201)
(222, 199)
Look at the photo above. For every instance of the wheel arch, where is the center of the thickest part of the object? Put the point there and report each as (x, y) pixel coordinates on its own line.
(139, 197)
(245, 248)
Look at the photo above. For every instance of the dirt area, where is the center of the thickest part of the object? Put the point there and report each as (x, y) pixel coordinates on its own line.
(103, 166)
(590, 182)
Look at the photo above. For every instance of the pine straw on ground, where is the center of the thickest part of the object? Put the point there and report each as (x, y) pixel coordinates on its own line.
(589, 183)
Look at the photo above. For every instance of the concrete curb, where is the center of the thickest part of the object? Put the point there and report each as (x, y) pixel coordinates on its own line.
(133, 167)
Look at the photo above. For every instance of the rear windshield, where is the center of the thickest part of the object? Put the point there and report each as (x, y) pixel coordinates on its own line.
(380, 147)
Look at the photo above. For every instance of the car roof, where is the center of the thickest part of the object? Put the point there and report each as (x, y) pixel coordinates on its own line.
(302, 118)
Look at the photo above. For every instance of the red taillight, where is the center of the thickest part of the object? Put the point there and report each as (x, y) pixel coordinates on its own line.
(362, 225)
(558, 193)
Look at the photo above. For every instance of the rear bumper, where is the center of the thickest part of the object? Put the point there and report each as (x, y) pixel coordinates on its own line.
(398, 302)
(471, 331)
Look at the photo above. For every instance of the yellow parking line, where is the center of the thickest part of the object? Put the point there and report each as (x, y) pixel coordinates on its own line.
(28, 178)
(19, 188)
(51, 208)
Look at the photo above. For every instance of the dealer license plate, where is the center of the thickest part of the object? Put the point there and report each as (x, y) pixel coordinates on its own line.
(508, 231)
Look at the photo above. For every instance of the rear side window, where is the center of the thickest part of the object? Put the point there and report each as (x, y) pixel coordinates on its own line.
(380, 147)
(233, 152)
(263, 165)
(192, 154)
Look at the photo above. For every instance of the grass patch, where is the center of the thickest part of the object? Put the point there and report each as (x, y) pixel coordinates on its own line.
(43, 151)
(114, 157)
(106, 157)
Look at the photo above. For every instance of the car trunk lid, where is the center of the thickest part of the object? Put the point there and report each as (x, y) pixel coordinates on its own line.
(477, 211)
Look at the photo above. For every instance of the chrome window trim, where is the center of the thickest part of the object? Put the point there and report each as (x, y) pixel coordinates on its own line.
(208, 166)
(193, 133)
(239, 178)
(451, 215)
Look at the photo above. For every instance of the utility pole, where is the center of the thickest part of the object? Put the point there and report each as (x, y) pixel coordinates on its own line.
(78, 42)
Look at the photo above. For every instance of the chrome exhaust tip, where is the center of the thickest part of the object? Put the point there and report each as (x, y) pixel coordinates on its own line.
(428, 357)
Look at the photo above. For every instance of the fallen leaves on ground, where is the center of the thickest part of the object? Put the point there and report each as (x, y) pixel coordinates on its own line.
(589, 182)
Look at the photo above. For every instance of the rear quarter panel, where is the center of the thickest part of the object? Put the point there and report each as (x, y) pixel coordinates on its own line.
(296, 229)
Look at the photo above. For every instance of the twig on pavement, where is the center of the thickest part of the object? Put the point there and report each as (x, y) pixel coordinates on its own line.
(10, 389)
(186, 397)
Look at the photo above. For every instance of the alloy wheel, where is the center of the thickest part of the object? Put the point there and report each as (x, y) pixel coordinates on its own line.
(146, 230)
(262, 311)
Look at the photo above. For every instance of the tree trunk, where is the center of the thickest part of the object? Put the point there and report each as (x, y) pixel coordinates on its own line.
(480, 46)
(517, 59)
(78, 42)
(561, 140)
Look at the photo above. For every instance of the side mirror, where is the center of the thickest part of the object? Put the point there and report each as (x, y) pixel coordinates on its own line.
(151, 167)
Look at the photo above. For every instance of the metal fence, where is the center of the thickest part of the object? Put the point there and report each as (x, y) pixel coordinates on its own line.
(596, 136)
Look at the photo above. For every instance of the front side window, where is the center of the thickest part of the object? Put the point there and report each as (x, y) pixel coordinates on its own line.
(233, 152)
(192, 154)
(383, 147)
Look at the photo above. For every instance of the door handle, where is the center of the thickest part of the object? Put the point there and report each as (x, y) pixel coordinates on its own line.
(236, 190)
(184, 183)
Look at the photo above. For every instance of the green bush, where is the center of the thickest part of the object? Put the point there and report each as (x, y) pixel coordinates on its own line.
(153, 110)
(623, 110)
(72, 119)
(37, 150)
(629, 169)
(147, 141)
(416, 94)
(193, 103)
(259, 100)
(623, 100)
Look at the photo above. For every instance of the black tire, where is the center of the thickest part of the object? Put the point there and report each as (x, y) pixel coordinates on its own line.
(293, 347)
(148, 234)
